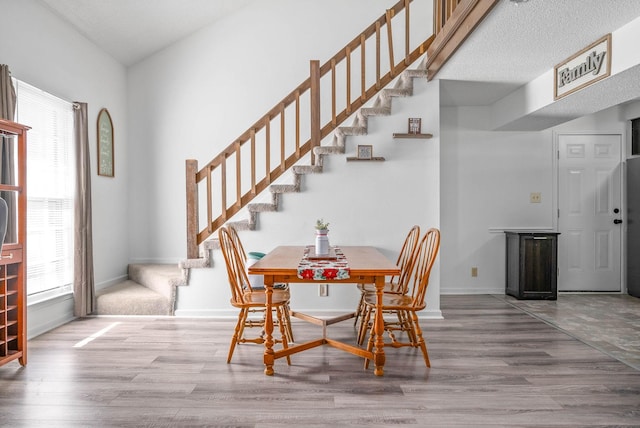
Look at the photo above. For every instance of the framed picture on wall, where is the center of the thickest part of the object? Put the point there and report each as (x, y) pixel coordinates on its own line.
(415, 124)
(105, 144)
(365, 151)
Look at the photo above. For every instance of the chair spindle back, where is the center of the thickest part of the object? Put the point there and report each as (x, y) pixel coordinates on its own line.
(425, 257)
(235, 262)
(400, 283)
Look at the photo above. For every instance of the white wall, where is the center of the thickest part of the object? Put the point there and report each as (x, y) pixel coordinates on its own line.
(45, 52)
(486, 181)
(188, 102)
(366, 203)
(612, 120)
(487, 178)
(194, 98)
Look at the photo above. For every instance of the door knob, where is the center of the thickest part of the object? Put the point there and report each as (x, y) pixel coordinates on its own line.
(617, 221)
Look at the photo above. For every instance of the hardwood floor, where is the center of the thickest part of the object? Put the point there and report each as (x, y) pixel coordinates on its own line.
(493, 365)
(608, 322)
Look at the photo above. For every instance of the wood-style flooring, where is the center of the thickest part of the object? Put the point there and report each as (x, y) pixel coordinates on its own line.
(608, 322)
(493, 365)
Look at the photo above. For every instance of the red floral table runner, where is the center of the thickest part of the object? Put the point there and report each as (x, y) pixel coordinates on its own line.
(322, 269)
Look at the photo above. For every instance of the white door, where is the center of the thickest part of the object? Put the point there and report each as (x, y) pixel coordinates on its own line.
(589, 198)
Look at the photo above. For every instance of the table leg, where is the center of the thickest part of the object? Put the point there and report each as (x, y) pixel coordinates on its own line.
(378, 353)
(268, 327)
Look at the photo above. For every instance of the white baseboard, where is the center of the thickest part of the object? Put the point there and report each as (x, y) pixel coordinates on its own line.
(49, 314)
(231, 314)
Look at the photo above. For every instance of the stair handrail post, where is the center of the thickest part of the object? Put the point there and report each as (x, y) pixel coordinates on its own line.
(315, 107)
(407, 25)
(192, 208)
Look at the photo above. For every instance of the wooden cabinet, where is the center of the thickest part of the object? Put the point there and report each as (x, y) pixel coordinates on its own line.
(532, 265)
(12, 305)
(13, 299)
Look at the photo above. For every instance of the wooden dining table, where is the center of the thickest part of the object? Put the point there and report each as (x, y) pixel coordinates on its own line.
(367, 265)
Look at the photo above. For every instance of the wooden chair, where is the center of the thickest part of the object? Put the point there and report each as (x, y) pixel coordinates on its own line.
(247, 300)
(238, 243)
(260, 288)
(406, 306)
(397, 284)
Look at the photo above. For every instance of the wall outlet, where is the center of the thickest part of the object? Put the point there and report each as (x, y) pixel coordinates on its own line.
(535, 197)
(323, 290)
(474, 271)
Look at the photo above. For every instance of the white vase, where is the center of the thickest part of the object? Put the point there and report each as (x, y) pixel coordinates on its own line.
(322, 242)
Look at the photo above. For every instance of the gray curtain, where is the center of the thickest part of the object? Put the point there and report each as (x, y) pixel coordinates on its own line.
(7, 150)
(83, 283)
(7, 94)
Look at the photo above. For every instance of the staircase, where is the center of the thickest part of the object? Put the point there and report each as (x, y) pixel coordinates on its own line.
(151, 289)
(232, 179)
(381, 106)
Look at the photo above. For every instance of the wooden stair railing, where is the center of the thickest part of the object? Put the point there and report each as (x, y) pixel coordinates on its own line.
(230, 182)
(454, 21)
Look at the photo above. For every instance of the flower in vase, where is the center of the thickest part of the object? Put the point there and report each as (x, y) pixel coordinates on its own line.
(321, 224)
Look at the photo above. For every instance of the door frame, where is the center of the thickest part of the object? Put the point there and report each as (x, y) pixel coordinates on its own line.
(623, 199)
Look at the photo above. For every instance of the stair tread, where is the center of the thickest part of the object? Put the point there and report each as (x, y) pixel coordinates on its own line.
(307, 169)
(261, 207)
(285, 188)
(376, 111)
(131, 298)
(328, 150)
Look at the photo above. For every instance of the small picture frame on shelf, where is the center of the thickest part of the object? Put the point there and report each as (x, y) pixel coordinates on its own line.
(365, 151)
(415, 124)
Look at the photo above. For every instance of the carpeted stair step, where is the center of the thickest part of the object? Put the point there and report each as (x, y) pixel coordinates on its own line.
(130, 298)
(149, 290)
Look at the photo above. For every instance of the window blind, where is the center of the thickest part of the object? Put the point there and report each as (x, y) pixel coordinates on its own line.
(50, 189)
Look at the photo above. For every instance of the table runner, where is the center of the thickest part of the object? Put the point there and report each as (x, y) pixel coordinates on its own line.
(323, 269)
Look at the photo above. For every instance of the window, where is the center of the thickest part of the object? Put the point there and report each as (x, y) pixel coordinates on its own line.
(635, 136)
(50, 190)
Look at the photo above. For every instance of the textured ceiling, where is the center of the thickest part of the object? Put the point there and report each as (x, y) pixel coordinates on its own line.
(515, 44)
(131, 30)
(518, 42)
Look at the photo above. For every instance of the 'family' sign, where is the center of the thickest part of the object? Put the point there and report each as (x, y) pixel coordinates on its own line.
(591, 64)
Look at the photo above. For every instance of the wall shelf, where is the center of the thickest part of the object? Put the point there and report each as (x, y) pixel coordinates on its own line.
(404, 135)
(374, 159)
